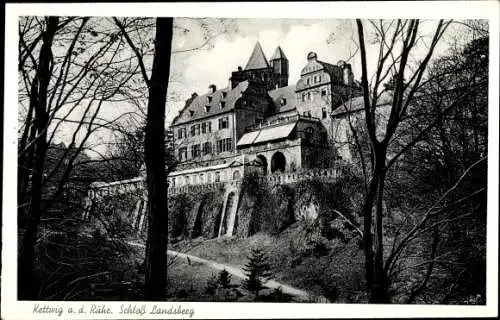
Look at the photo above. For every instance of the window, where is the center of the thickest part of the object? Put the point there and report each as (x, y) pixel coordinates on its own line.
(204, 127)
(183, 154)
(181, 133)
(315, 79)
(224, 145)
(222, 104)
(323, 93)
(319, 78)
(191, 113)
(236, 175)
(323, 113)
(207, 108)
(193, 132)
(207, 148)
(187, 179)
(209, 99)
(224, 94)
(217, 177)
(195, 151)
(197, 129)
(303, 97)
(309, 96)
(283, 101)
(223, 123)
(209, 127)
(202, 178)
(308, 81)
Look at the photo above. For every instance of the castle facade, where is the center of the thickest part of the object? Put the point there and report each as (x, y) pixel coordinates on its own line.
(260, 122)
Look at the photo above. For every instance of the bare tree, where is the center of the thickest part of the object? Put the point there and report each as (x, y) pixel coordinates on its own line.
(396, 63)
(70, 69)
(26, 283)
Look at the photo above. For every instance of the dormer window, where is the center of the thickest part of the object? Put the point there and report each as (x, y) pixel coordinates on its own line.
(283, 101)
(207, 108)
(222, 104)
(209, 99)
(191, 113)
(224, 94)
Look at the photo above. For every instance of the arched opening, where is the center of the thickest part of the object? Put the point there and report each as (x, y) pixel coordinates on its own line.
(227, 212)
(262, 161)
(197, 228)
(278, 162)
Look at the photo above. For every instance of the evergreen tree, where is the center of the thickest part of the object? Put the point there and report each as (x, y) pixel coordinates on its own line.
(258, 271)
(224, 278)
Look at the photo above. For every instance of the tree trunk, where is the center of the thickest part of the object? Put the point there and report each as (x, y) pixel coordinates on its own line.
(156, 244)
(27, 287)
(367, 230)
(378, 291)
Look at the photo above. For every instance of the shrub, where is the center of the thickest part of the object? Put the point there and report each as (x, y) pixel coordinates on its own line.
(330, 291)
(278, 294)
(212, 284)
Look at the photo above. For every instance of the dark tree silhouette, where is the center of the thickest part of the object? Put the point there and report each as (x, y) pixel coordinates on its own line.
(258, 271)
(156, 245)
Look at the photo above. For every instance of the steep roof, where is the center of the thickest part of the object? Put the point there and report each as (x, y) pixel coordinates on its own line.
(257, 59)
(278, 54)
(357, 104)
(288, 93)
(199, 104)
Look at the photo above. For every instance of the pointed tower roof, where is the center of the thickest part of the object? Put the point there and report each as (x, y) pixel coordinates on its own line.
(257, 59)
(278, 54)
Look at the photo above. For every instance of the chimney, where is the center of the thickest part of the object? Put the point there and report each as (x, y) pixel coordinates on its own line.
(239, 68)
(212, 88)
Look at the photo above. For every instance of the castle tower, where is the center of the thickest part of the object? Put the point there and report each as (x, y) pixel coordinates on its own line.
(257, 59)
(279, 63)
(256, 70)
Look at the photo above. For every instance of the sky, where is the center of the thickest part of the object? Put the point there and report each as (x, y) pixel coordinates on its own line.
(195, 71)
(231, 46)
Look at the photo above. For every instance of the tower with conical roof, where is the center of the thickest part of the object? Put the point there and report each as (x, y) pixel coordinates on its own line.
(279, 63)
(257, 59)
(257, 70)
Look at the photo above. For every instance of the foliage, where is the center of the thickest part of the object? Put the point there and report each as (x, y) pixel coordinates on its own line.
(224, 278)
(72, 266)
(179, 208)
(426, 164)
(212, 284)
(257, 270)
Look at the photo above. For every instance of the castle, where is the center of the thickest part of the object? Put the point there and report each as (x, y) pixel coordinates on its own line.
(260, 120)
(257, 123)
